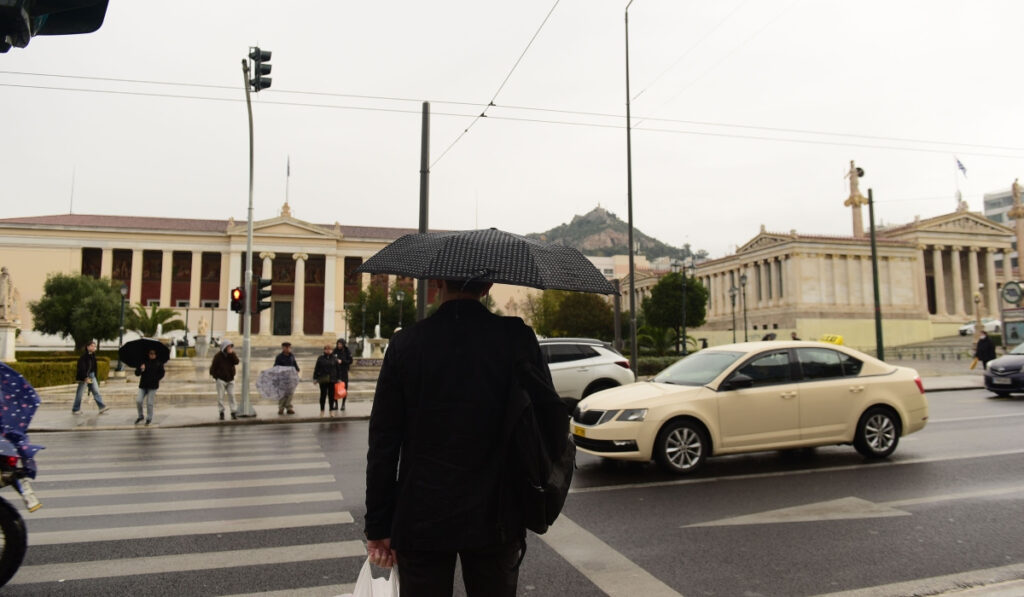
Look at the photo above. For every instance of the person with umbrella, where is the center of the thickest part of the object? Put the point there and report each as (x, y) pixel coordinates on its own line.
(286, 359)
(434, 465)
(150, 373)
(86, 377)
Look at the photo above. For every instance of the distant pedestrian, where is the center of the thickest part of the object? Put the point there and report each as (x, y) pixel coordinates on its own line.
(794, 336)
(286, 359)
(344, 358)
(150, 373)
(325, 373)
(985, 351)
(223, 371)
(86, 377)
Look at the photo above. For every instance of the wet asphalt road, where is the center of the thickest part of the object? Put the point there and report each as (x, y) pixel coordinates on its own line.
(949, 501)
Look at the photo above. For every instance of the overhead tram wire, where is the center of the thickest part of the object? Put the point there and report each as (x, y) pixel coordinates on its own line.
(483, 114)
(563, 122)
(463, 103)
(691, 48)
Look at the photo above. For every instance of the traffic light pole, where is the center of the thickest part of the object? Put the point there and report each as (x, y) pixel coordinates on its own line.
(245, 409)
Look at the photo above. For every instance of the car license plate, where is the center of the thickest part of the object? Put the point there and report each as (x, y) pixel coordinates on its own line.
(1002, 381)
(577, 430)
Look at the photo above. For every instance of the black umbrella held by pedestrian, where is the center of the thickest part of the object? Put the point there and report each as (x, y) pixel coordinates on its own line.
(136, 352)
(489, 255)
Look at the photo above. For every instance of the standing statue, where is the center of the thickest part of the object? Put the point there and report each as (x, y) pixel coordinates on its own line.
(8, 297)
(854, 175)
(1016, 191)
(203, 326)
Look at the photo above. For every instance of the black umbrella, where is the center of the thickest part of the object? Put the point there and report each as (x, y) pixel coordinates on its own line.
(488, 256)
(136, 352)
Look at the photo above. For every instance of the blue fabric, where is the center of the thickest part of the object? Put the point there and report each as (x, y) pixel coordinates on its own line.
(18, 404)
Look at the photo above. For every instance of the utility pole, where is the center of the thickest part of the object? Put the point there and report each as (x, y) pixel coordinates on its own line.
(259, 81)
(421, 285)
(879, 344)
(629, 200)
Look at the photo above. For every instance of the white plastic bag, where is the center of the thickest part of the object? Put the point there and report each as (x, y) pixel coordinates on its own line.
(367, 586)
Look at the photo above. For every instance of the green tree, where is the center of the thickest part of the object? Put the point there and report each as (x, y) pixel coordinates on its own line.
(82, 307)
(145, 323)
(584, 315)
(664, 309)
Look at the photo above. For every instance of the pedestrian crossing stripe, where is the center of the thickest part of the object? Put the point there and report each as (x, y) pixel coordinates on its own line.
(188, 528)
(44, 491)
(183, 505)
(177, 462)
(191, 472)
(115, 454)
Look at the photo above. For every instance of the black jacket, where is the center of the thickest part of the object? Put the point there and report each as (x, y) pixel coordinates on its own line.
(223, 366)
(86, 366)
(150, 378)
(344, 358)
(986, 350)
(327, 368)
(286, 360)
(435, 429)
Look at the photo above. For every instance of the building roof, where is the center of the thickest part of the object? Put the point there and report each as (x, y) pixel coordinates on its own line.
(179, 225)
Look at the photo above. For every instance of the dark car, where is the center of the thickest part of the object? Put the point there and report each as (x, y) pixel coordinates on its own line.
(1004, 375)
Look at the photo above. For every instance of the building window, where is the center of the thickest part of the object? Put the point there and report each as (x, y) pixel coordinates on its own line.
(91, 262)
(181, 303)
(152, 302)
(210, 304)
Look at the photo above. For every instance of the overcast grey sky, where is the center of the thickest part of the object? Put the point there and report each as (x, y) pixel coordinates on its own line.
(935, 78)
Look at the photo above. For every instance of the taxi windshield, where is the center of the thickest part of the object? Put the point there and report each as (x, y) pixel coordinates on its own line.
(698, 369)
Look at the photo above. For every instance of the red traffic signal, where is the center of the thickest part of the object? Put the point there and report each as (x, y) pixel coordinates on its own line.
(237, 299)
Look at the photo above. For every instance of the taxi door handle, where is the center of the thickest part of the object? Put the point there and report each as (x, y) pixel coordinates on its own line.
(788, 395)
(855, 389)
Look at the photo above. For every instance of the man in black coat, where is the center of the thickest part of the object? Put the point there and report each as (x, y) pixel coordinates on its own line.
(344, 358)
(286, 359)
(150, 372)
(86, 378)
(985, 351)
(433, 466)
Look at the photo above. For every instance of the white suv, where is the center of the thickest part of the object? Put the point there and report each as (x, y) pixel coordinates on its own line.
(582, 366)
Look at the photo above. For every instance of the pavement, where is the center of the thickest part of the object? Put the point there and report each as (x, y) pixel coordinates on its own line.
(194, 403)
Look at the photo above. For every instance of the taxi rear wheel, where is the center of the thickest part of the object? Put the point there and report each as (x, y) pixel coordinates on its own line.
(878, 433)
(682, 447)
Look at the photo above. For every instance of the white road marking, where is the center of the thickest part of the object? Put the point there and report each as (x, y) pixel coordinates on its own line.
(949, 584)
(69, 571)
(322, 591)
(977, 418)
(183, 505)
(188, 528)
(848, 508)
(42, 487)
(217, 470)
(814, 471)
(611, 571)
(207, 460)
(211, 452)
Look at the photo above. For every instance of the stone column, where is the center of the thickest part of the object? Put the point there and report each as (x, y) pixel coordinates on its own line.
(839, 264)
(867, 282)
(330, 268)
(107, 263)
(822, 276)
(992, 294)
(268, 272)
(921, 294)
(972, 274)
(195, 279)
(958, 284)
(762, 281)
(939, 278)
(853, 296)
(135, 286)
(299, 301)
(339, 293)
(166, 267)
(234, 278)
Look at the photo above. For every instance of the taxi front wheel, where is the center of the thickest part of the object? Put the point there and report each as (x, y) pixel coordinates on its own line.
(682, 447)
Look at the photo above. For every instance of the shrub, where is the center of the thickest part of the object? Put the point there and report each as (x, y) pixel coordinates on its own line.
(55, 373)
(653, 365)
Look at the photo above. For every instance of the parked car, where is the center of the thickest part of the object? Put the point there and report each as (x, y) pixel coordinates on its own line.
(582, 366)
(751, 397)
(991, 326)
(1004, 375)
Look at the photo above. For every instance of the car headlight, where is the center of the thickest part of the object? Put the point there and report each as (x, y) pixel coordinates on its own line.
(607, 416)
(633, 414)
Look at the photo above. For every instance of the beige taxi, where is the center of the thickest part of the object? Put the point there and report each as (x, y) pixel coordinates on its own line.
(751, 397)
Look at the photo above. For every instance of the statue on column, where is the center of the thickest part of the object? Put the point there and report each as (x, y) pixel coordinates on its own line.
(1015, 189)
(855, 197)
(9, 298)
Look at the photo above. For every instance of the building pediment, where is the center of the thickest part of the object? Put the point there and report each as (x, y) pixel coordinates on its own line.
(288, 227)
(763, 240)
(956, 223)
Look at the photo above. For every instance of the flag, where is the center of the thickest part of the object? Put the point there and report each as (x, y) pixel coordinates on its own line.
(960, 166)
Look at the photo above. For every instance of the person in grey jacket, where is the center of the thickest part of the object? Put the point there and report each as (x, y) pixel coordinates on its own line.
(150, 373)
(86, 377)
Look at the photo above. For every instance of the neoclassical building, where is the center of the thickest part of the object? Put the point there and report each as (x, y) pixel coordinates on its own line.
(929, 272)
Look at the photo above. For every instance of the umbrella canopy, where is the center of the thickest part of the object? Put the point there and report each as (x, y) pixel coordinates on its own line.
(277, 382)
(488, 256)
(19, 402)
(136, 352)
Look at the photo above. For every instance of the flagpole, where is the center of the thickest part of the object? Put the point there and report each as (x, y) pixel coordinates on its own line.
(287, 178)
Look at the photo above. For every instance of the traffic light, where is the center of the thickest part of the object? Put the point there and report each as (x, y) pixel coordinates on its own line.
(237, 299)
(259, 68)
(263, 292)
(21, 20)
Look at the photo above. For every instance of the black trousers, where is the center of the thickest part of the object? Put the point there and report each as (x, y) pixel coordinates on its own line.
(486, 572)
(327, 392)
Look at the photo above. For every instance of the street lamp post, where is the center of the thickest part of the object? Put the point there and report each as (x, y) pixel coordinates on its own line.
(743, 298)
(733, 291)
(676, 266)
(400, 296)
(629, 203)
(364, 321)
(120, 340)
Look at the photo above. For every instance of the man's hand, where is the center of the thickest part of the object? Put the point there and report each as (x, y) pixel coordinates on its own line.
(142, 367)
(380, 552)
